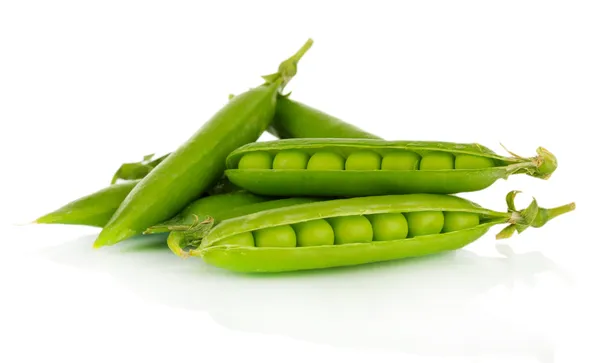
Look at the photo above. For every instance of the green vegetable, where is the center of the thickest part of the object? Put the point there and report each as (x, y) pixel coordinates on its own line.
(292, 120)
(92, 210)
(325, 174)
(296, 120)
(196, 165)
(219, 249)
(324, 160)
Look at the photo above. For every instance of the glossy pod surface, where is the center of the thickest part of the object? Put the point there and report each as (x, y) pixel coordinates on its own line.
(198, 164)
(294, 119)
(359, 167)
(93, 210)
(271, 241)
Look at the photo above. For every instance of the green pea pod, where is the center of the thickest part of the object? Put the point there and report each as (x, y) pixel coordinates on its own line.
(292, 120)
(215, 206)
(196, 222)
(92, 210)
(197, 165)
(357, 231)
(358, 167)
(296, 120)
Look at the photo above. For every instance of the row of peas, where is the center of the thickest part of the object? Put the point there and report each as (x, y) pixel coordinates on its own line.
(362, 160)
(356, 229)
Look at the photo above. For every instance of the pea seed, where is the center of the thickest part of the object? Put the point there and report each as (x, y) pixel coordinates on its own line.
(363, 160)
(256, 160)
(326, 160)
(456, 221)
(400, 160)
(242, 239)
(464, 161)
(314, 233)
(351, 229)
(280, 236)
(389, 226)
(290, 159)
(437, 161)
(424, 223)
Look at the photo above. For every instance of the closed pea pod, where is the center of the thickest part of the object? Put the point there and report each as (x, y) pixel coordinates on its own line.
(246, 258)
(292, 119)
(405, 167)
(197, 164)
(94, 210)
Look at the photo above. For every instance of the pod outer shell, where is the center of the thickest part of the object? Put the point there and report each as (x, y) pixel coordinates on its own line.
(296, 120)
(253, 259)
(93, 210)
(196, 165)
(355, 183)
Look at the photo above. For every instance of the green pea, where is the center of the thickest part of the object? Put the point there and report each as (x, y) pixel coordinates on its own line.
(351, 229)
(424, 223)
(326, 160)
(242, 239)
(389, 226)
(464, 161)
(290, 159)
(363, 160)
(256, 160)
(456, 221)
(280, 236)
(437, 161)
(314, 233)
(400, 160)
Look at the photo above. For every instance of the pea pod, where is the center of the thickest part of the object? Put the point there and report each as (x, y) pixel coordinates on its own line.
(92, 210)
(292, 120)
(358, 167)
(297, 120)
(358, 231)
(189, 227)
(197, 164)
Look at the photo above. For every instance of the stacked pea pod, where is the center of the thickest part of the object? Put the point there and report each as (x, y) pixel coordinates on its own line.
(327, 194)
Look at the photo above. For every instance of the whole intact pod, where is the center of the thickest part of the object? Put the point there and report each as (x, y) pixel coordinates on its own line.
(381, 167)
(196, 165)
(230, 244)
(292, 120)
(93, 210)
(297, 120)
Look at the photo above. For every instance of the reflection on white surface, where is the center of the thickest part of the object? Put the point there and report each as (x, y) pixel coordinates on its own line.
(427, 306)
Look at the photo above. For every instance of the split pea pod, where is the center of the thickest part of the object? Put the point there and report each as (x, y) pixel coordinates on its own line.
(358, 231)
(292, 120)
(188, 227)
(197, 164)
(358, 167)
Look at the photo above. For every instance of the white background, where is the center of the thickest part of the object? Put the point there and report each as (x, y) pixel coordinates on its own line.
(85, 86)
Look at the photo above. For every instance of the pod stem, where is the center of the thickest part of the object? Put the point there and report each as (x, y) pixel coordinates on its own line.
(540, 166)
(532, 216)
(175, 241)
(289, 67)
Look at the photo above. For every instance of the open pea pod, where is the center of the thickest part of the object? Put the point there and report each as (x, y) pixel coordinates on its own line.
(361, 167)
(358, 231)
